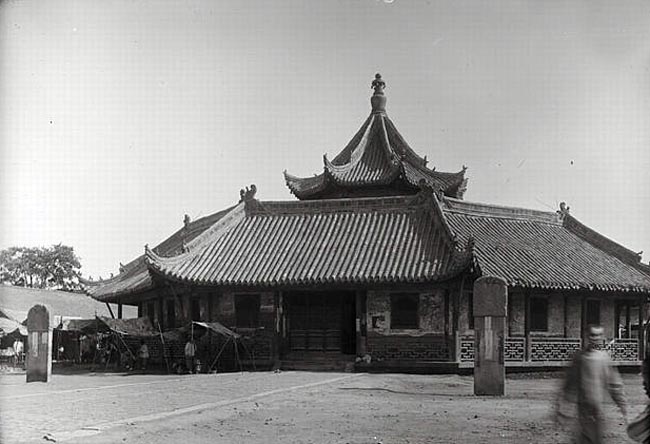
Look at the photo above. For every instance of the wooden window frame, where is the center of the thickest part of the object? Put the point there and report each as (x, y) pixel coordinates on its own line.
(533, 327)
(244, 316)
(412, 320)
(151, 312)
(170, 317)
(589, 304)
(195, 303)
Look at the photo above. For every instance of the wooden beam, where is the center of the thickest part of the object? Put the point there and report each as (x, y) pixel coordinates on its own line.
(110, 310)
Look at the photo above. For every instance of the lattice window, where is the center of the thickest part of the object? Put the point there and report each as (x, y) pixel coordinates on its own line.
(627, 320)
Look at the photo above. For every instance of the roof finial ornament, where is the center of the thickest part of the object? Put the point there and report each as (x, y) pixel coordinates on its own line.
(564, 209)
(378, 99)
(378, 85)
(247, 194)
(186, 220)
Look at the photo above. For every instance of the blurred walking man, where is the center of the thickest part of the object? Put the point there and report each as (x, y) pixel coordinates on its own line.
(590, 376)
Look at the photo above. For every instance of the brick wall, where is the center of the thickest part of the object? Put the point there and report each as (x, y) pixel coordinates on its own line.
(431, 313)
(404, 348)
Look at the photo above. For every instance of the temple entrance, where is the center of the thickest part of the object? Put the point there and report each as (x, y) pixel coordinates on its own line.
(321, 322)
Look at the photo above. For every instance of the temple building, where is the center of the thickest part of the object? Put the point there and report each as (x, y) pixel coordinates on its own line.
(373, 266)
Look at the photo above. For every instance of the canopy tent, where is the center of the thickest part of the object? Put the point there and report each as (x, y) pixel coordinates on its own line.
(127, 333)
(231, 337)
(10, 327)
(217, 328)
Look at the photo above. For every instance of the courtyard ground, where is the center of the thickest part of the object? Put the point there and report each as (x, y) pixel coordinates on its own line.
(285, 407)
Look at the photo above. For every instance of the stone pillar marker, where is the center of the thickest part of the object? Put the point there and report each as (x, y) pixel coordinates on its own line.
(38, 359)
(490, 309)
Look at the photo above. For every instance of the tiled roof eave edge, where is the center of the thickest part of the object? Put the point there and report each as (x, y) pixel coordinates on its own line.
(114, 297)
(300, 282)
(575, 286)
(307, 191)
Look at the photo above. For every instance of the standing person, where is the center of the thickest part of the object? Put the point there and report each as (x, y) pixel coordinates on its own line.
(18, 352)
(590, 375)
(190, 351)
(143, 354)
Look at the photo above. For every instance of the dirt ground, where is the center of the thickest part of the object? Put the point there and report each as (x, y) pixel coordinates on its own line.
(293, 407)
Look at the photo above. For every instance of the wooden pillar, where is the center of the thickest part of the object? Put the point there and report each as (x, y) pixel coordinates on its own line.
(161, 321)
(566, 314)
(583, 318)
(119, 311)
(641, 329)
(277, 329)
(140, 309)
(455, 315)
(360, 322)
(527, 323)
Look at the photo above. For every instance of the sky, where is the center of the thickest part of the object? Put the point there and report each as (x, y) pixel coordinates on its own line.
(119, 117)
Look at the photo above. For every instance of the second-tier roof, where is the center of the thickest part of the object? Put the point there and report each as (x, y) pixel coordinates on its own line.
(376, 161)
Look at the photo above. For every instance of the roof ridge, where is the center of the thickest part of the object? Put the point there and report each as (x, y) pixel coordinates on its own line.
(334, 205)
(601, 241)
(452, 205)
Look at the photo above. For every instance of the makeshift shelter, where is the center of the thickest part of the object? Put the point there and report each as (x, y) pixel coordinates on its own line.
(110, 339)
(235, 340)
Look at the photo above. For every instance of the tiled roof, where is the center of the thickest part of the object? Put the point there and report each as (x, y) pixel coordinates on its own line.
(535, 249)
(403, 239)
(136, 279)
(16, 302)
(376, 156)
(135, 276)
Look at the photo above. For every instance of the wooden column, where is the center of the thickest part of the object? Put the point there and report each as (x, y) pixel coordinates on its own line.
(455, 307)
(119, 311)
(641, 329)
(360, 322)
(161, 318)
(583, 320)
(527, 323)
(277, 331)
(566, 313)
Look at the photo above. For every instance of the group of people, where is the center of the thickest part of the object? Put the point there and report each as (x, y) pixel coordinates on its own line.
(590, 376)
(189, 352)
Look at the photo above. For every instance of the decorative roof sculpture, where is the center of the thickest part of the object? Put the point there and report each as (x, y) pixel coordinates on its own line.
(376, 162)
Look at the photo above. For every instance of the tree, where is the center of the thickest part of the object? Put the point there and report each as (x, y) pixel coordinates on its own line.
(55, 267)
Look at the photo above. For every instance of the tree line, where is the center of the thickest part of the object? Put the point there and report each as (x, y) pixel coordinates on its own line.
(56, 267)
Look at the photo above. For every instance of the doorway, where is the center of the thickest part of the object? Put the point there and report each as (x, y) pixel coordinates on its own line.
(322, 322)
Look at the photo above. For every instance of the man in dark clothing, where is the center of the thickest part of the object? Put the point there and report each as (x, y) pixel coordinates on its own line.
(639, 428)
(591, 375)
